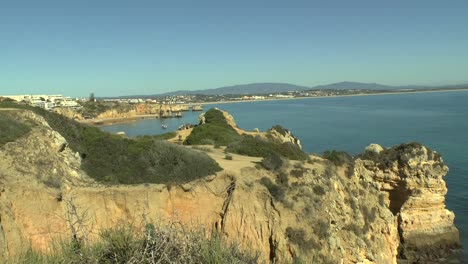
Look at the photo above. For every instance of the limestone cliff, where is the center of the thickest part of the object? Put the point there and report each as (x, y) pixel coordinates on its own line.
(160, 110)
(127, 111)
(385, 207)
(411, 177)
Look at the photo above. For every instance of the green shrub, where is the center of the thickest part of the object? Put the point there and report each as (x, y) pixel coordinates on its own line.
(200, 148)
(282, 178)
(112, 159)
(283, 131)
(318, 190)
(322, 229)
(165, 136)
(272, 162)
(298, 173)
(215, 129)
(207, 141)
(276, 191)
(11, 129)
(258, 147)
(218, 132)
(297, 236)
(339, 158)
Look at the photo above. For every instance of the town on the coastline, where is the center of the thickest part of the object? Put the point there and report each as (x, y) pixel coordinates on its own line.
(49, 102)
(172, 105)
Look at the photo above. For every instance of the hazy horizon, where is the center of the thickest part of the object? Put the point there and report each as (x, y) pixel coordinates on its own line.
(115, 48)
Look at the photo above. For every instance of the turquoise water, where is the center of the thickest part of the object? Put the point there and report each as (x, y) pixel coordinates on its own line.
(438, 120)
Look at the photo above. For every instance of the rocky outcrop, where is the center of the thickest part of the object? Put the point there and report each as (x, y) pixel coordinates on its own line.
(69, 112)
(128, 111)
(388, 209)
(411, 177)
(283, 135)
(197, 108)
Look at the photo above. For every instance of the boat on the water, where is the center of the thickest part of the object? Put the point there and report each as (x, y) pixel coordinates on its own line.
(164, 126)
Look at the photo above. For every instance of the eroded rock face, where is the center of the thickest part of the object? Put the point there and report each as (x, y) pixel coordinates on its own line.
(411, 176)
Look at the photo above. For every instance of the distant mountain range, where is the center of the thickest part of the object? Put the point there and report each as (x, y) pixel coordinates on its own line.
(267, 88)
(252, 88)
(354, 86)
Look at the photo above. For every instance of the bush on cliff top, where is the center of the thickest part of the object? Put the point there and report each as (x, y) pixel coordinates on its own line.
(113, 159)
(258, 147)
(217, 130)
(339, 158)
(11, 129)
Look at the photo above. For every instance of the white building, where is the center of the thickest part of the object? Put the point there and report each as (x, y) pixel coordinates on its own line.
(45, 101)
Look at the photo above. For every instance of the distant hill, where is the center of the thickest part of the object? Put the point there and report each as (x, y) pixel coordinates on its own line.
(252, 88)
(266, 88)
(354, 86)
(376, 86)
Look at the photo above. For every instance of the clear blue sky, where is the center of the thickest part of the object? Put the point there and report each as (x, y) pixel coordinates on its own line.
(113, 47)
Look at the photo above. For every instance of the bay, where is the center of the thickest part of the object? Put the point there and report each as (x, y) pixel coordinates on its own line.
(438, 120)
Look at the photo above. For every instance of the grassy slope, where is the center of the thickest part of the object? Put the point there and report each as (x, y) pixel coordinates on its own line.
(113, 159)
(10, 129)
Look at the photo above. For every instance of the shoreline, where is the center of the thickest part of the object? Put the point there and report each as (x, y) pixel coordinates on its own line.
(334, 96)
(116, 120)
(130, 119)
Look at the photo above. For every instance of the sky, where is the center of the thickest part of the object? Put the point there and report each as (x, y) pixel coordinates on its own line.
(114, 47)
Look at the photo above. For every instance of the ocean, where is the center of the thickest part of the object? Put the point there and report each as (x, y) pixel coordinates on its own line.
(438, 120)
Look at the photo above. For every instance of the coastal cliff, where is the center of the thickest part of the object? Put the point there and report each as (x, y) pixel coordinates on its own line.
(386, 206)
(123, 111)
(411, 177)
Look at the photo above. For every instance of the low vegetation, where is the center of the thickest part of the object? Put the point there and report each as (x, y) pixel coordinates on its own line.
(283, 131)
(272, 162)
(152, 245)
(258, 147)
(217, 131)
(11, 129)
(339, 158)
(164, 136)
(112, 159)
(276, 191)
(297, 236)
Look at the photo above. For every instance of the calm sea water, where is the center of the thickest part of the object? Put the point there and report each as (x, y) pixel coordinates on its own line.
(438, 120)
